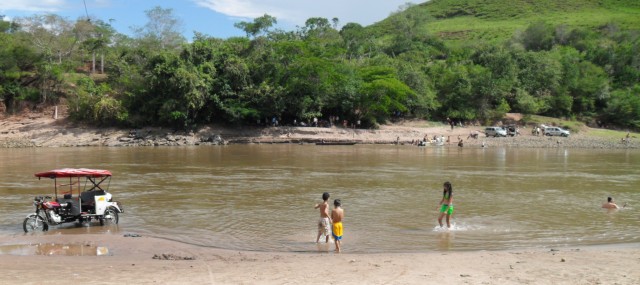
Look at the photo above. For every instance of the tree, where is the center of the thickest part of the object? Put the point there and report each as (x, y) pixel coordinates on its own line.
(316, 27)
(538, 36)
(540, 75)
(354, 37)
(178, 90)
(309, 85)
(455, 90)
(94, 103)
(51, 35)
(5, 26)
(528, 104)
(623, 109)
(18, 62)
(407, 25)
(495, 88)
(382, 94)
(586, 82)
(321, 38)
(163, 29)
(98, 37)
(410, 72)
(260, 25)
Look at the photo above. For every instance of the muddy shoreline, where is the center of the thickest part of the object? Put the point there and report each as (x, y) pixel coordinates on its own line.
(152, 260)
(41, 131)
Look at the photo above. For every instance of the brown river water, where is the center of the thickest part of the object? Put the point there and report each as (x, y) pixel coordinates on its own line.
(262, 197)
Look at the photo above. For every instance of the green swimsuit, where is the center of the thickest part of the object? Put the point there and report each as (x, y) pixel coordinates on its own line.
(444, 207)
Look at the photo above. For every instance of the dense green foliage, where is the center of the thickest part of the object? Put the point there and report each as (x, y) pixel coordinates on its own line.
(416, 63)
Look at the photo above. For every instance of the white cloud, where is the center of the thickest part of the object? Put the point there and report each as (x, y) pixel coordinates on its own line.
(296, 12)
(241, 8)
(103, 3)
(32, 5)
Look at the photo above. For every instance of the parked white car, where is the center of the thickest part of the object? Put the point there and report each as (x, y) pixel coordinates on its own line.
(555, 131)
(495, 132)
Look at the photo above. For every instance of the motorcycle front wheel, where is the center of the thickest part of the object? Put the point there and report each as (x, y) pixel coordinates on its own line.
(34, 223)
(110, 217)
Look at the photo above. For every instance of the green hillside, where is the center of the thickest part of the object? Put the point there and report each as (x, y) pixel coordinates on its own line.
(497, 20)
(466, 60)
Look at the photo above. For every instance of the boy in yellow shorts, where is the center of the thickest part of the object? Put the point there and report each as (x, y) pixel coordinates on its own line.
(337, 214)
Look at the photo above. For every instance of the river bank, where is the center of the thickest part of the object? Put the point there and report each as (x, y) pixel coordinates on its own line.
(40, 130)
(128, 258)
(134, 259)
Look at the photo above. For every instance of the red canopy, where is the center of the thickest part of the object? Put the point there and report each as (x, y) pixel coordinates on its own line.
(74, 172)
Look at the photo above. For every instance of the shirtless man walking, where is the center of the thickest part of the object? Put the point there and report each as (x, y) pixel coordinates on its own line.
(324, 224)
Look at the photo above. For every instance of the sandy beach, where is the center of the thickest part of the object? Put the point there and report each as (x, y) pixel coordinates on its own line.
(41, 130)
(149, 260)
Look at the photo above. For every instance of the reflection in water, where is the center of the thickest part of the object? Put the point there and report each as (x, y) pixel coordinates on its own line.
(54, 249)
(261, 197)
(445, 239)
(324, 246)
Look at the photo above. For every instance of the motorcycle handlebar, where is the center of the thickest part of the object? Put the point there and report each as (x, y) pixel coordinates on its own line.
(42, 198)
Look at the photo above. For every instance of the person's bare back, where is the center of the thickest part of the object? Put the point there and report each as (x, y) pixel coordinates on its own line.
(610, 204)
(324, 224)
(337, 215)
(324, 209)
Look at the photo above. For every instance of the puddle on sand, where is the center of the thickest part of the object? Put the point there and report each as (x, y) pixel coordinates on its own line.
(54, 249)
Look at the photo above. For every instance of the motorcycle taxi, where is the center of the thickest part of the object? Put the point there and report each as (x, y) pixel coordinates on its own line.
(85, 199)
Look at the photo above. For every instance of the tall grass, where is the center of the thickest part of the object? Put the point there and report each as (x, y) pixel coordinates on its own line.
(497, 20)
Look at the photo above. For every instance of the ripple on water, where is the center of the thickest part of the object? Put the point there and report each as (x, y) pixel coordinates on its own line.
(262, 197)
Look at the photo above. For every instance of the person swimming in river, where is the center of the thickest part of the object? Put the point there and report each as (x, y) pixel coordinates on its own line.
(446, 204)
(610, 204)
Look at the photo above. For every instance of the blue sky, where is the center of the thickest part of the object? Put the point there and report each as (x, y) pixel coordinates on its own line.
(212, 17)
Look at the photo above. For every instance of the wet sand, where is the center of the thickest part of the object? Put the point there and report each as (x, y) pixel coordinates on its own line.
(149, 260)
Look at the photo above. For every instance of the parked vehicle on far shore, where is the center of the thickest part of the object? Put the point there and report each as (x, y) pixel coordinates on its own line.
(556, 131)
(512, 130)
(495, 132)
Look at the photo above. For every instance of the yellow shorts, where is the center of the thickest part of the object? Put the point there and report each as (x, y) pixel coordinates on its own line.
(337, 230)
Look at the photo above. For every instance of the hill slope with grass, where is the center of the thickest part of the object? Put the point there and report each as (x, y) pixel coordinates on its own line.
(497, 20)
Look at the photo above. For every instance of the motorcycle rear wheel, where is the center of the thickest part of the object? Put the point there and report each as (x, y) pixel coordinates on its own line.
(113, 217)
(34, 223)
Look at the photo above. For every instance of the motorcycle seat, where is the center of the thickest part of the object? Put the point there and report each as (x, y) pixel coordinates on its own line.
(71, 203)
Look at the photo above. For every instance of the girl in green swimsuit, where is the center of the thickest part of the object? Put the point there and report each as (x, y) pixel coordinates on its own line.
(446, 204)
